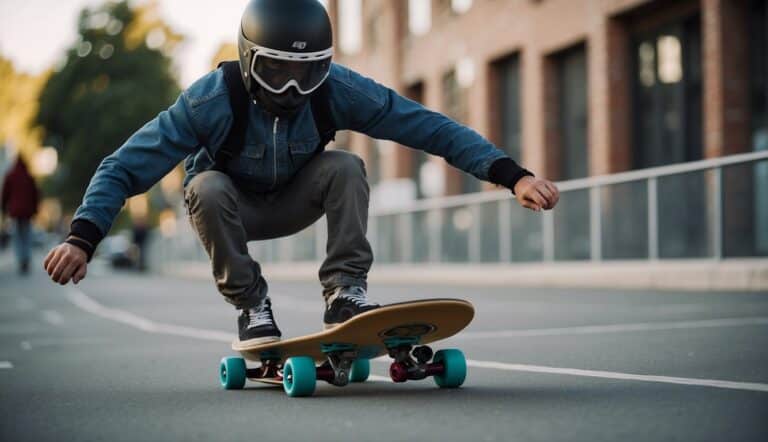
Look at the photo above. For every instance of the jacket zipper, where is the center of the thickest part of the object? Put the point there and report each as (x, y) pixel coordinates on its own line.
(274, 146)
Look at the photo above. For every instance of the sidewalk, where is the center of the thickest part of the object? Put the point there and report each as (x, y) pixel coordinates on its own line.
(699, 275)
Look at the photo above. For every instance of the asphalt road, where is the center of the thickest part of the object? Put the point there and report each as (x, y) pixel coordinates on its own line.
(131, 357)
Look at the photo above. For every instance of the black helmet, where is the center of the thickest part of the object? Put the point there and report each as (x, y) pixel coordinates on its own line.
(285, 49)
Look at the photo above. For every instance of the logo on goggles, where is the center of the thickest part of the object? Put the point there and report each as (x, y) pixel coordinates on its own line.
(299, 44)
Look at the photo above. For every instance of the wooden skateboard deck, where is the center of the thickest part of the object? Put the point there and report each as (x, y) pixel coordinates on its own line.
(420, 322)
(341, 355)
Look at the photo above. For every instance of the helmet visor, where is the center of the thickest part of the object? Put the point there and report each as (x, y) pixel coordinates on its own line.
(277, 74)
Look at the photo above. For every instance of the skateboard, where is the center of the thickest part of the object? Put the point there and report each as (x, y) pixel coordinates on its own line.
(342, 355)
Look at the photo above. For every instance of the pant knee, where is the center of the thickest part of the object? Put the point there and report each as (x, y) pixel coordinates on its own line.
(344, 165)
(210, 189)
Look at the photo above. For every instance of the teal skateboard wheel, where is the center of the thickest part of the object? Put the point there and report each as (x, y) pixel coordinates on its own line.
(454, 368)
(360, 370)
(232, 373)
(299, 376)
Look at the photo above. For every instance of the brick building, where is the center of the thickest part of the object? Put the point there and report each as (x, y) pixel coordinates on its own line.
(571, 88)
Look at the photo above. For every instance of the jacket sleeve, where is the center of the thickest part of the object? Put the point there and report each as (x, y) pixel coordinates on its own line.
(366, 106)
(147, 156)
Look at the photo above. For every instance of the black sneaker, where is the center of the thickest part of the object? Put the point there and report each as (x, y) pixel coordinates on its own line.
(257, 325)
(344, 303)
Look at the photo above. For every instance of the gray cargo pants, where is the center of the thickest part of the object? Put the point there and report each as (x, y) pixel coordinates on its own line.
(226, 218)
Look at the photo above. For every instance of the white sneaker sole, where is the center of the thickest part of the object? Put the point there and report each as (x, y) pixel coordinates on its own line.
(258, 341)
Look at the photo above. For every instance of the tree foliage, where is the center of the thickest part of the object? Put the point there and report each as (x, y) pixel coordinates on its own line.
(18, 98)
(116, 77)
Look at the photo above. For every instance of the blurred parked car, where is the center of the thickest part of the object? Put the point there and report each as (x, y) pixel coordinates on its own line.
(119, 251)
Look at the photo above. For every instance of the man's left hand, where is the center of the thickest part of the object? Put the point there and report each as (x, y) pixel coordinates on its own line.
(536, 193)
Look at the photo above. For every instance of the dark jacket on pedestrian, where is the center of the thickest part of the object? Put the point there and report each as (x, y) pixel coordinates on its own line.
(20, 195)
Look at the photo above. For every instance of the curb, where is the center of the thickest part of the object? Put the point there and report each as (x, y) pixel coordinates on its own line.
(749, 275)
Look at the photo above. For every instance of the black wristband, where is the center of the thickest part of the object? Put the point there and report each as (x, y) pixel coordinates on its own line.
(82, 244)
(86, 232)
(506, 172)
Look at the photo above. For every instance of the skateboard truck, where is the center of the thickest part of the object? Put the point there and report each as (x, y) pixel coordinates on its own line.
(336, 369)
(270, 367)
(411, 363)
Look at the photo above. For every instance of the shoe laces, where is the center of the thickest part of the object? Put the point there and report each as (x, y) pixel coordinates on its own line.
(357, 296)
(260, 316)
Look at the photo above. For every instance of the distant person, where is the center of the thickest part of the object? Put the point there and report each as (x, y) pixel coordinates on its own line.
(253, 134)
(19, 202)
(140, 234)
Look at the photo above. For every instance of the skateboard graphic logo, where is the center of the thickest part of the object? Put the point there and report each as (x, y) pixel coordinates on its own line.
(408, 331)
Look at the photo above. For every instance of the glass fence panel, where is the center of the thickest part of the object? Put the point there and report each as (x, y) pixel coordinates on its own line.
(625, 220)
(745, 210)
(489, 232)
(571, 218)
(423, 224)
(388, 239)
(525, 234)
(303, 247)
(685, 208)
(456, 225)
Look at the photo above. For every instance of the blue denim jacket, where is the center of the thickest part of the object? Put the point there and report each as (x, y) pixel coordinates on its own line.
(274, 148)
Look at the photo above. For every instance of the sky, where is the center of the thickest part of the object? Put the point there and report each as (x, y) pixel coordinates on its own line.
(35, 34)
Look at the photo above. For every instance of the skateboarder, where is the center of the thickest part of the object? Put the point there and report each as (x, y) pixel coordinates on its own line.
(257, 169)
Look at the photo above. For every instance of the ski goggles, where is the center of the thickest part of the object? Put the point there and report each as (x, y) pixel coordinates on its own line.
(276, 71)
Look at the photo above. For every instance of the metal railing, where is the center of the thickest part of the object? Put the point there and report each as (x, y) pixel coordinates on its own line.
(713, 209)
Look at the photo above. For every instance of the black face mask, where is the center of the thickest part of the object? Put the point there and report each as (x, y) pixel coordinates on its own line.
(282, 105)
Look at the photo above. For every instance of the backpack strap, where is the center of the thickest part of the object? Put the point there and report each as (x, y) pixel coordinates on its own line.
(320, 102)
(238, 101)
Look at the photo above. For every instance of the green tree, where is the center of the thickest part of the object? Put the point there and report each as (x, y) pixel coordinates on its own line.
(116, 77)
(18, 94)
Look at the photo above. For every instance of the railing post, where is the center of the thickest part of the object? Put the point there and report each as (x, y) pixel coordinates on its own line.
(653, 218)
(548, 236)
(717, 213)
(473, 237)
(595, 224)
(505, 231)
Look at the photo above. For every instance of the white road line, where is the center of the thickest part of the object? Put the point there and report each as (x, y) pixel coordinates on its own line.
(377, 378)
(5, 364)
(86, 303)
(53, 317)
(750, 386)
(614, 328)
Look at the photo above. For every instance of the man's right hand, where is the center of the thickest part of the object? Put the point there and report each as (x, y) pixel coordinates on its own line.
(65, 262)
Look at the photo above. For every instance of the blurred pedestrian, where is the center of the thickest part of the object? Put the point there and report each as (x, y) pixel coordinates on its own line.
(254, 133)
(19, 203)
(140, 233)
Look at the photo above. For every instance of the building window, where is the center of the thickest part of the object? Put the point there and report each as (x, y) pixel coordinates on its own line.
(758, 74)
(667, 94)
(419, 158)
(455, 107)
(419, 16)
(572, 115)
(506, 74)
(350, 26)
